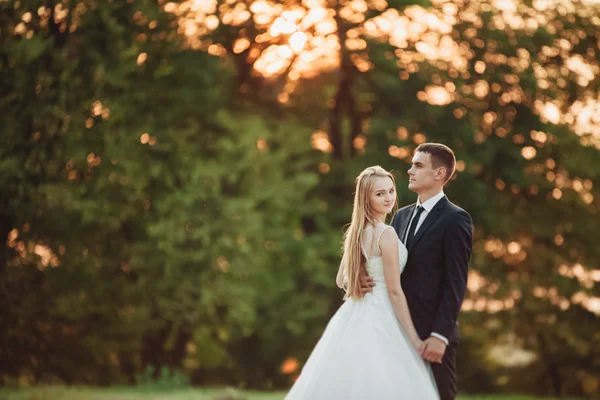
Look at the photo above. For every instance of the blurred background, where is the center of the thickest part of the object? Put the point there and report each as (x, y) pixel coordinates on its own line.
(175, 178)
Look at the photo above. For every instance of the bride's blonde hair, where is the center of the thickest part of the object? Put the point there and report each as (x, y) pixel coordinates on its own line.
(362, 216)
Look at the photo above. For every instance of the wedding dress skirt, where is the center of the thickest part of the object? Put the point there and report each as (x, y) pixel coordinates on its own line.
(365, 354)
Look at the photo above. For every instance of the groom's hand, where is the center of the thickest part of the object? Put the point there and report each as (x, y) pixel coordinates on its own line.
(434, 350)
(366, 284)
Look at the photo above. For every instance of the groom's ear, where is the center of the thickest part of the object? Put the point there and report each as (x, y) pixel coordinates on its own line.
(440, 174)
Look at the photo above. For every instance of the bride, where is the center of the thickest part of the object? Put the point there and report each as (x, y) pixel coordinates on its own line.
(370, 348)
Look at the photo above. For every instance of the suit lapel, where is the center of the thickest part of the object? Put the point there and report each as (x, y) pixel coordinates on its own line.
(405, 220)
(429, 220)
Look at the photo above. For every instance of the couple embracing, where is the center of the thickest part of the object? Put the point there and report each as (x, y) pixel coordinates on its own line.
(396, 335)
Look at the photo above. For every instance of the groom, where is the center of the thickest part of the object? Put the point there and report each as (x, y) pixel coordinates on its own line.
(438, 236)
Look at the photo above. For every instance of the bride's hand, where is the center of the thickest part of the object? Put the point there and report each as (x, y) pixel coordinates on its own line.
(419, 345)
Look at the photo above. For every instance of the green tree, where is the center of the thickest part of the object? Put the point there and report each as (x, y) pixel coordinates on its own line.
(511, 88)
(176, 177)
(80, 86)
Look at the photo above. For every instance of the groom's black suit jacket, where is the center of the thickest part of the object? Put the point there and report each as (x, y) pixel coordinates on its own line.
(435, 277)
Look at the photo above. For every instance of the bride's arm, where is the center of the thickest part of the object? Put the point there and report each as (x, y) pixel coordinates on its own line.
(340, 279)
(391, 272)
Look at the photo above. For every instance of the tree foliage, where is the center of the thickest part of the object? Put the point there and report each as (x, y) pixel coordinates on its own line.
(176, 177)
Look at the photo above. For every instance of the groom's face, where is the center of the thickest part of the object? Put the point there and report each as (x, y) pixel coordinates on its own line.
(422, 175)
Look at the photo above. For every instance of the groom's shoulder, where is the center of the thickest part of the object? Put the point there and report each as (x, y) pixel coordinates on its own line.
(402, 210)
(457, 211)
(398, 215)
(405, 208)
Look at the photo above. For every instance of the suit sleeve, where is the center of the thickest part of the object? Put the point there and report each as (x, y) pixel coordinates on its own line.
(458, 242)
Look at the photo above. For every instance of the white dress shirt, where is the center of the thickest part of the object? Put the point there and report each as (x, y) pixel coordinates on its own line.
(428, 206)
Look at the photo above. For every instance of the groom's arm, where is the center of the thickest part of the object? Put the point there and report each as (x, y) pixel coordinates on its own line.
(442, 338)
(341, 279)
(458, 242)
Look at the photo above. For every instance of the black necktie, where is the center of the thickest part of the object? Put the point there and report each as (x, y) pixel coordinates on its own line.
(413, 226)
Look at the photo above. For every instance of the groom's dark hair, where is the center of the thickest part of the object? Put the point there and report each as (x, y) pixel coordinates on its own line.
(441, 156)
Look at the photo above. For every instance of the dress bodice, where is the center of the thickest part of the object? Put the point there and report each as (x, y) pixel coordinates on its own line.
(372, 251)
(375, 264)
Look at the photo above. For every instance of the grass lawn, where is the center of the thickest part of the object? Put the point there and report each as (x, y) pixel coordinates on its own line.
(132, 393)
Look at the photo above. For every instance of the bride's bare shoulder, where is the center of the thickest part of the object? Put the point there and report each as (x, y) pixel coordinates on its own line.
(388, 238)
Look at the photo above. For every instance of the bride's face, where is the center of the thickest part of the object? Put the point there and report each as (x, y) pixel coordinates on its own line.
(382, 196)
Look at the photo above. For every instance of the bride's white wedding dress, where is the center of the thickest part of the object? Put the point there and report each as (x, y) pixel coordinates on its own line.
(364, 353)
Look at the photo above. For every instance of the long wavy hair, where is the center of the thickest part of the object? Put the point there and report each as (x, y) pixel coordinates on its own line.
(362, 216)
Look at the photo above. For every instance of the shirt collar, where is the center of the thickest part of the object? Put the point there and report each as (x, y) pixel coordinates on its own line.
(429, 204)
